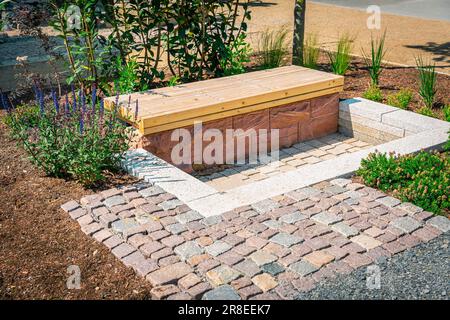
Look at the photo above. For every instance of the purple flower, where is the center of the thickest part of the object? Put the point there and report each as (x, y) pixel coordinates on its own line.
(55, 101)
(41, 102)
(94, 98)
(82, 123)
(101, 112)
(74, 97)
(83, 101)
(36, 92)
(136, 111)
(102, 107)
(67, 105)
(116, 104)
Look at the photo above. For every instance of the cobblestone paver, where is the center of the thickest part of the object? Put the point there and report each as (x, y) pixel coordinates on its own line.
(274, 249)
(300, 154)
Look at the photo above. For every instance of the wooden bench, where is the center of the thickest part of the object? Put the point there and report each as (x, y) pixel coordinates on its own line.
(302, 103)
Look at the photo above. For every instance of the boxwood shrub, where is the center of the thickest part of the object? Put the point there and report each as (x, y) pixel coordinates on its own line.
(422, 179)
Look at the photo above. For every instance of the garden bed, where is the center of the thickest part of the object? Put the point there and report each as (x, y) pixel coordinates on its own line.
(38, 241)
(422, 179)
(392, 79)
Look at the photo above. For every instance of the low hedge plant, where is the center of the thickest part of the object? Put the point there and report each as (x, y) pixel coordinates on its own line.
(422, 179)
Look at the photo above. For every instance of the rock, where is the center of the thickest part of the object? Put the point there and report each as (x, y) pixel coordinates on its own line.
(225, 292)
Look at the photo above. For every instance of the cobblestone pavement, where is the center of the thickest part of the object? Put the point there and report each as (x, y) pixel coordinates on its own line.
(274, 249)
(300, 154)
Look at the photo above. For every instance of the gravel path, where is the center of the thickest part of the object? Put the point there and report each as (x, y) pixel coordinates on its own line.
(419, 273)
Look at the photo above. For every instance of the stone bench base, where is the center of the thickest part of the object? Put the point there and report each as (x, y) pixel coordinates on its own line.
(295, 122)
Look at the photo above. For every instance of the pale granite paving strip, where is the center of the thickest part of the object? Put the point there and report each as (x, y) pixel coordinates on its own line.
(275, 248)
(300, 154)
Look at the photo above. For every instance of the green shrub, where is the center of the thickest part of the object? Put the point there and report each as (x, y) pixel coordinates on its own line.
(190, 37)
(447, 145)
(381, 171)
(2, 7)
(425, 111)
(340, 60)
(128, 78)
(311, 52)
(446, 111)
(273, 48)
(238, 54)
(88, 52)
(173, 81)
(422, 179)
(374, 62)
(400, 99)
(78, 140)
(427, 84)
(373, 93)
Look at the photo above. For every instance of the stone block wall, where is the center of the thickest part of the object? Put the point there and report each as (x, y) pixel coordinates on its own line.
(296, 122)
(365, 120)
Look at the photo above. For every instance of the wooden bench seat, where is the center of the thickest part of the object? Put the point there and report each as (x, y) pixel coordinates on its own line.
(301, 102)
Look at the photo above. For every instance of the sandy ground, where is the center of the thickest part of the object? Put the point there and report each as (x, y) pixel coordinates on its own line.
(426, 9)
(407, 37)
(403, 41)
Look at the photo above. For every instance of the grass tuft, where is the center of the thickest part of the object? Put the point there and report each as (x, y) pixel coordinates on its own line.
(340, 60)
(311, 52)
(273, 48)
(374, 62)
(427, 84)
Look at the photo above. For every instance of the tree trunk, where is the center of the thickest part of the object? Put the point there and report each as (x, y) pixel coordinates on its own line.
(299, 32)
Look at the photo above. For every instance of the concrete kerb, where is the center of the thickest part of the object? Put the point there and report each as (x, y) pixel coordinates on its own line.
(420, 133)
(156, 171)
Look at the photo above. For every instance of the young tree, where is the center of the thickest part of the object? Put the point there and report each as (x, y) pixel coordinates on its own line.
(299, 32)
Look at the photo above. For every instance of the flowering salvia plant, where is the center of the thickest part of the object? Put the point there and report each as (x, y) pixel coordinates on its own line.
(71, 137)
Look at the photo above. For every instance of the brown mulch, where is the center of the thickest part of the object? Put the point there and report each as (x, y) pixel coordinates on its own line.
(392, 79)
(38, 241)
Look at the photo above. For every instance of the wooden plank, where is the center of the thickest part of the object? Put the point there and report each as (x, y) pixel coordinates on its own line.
(217, 82)
(291, 80)
(207, 85)
(200, 86)
(229, 94)
(177, 112)
(158, 96)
